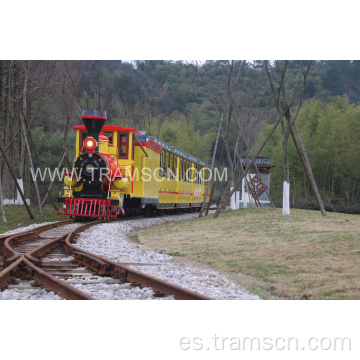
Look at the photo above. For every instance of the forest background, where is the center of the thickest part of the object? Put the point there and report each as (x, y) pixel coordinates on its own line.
(168, 100)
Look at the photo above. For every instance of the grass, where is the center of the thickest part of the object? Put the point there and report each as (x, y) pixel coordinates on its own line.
(301, 256)
(17, 217)
(176, 254)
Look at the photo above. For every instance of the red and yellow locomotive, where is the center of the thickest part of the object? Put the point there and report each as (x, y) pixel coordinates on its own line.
(120, 169)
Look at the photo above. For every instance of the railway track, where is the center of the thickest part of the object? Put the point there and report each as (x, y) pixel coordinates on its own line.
(47, 257)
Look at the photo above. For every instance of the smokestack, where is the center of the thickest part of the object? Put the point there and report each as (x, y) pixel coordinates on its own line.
(94, 121)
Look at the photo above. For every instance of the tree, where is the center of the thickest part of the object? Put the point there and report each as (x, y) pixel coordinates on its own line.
(284, 109)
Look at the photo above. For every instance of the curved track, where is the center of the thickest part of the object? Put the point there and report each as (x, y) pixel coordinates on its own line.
(46, 256)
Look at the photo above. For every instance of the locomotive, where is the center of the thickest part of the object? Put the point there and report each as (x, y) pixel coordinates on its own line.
(119, 169)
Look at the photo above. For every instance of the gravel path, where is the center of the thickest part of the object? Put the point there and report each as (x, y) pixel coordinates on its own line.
(110, 241)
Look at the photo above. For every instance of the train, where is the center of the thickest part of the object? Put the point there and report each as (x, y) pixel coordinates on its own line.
(120, 170)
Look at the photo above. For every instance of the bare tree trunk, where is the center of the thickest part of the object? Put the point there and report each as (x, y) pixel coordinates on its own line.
(31, 164)
(213, 182)
(57, 167)
(306, 163)
(21, 160)
(2, 203)
(41, 169)
(232, 80)
(238, 184)
(212, 168)
(8, 185)
(286, 132)
(16, 183)
(1, 116)
(286, 183)
(250, 153)
(286, 107)
(161, 122)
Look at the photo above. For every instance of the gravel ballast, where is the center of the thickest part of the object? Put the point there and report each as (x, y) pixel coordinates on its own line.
(110, 241)
(28, 294)
(25, 228)
(95, 287)
(32, 293)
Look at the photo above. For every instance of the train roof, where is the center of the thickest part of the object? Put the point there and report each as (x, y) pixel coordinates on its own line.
(109, 128)
(143, 138)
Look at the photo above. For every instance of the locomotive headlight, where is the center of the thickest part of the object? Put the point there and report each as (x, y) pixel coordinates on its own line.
(90, 144)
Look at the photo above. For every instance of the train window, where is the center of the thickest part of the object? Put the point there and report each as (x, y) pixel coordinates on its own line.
(133, 147)
(162, 163)
(184, 171)
(206, 176)
(171, 166)
(174, 167)
(188, 171)
(168, 165)
(123, 145)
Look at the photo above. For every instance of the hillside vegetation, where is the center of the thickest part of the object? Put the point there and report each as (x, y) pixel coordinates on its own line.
(168, 100)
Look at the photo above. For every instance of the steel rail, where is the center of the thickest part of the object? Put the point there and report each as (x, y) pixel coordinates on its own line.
(103, 266)
(6, 274)
(98, 264)
(127, 274)
(10, 253)
(14, 261)
(43, 279)
(6, 240)
(52, 283)
(40, 228)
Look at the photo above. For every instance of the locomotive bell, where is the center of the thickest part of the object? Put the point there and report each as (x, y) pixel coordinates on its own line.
(94, 121)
